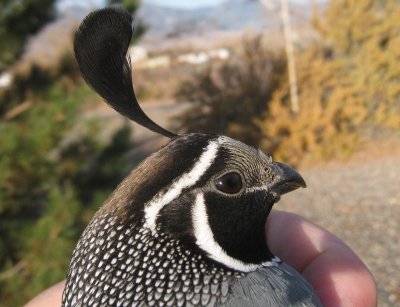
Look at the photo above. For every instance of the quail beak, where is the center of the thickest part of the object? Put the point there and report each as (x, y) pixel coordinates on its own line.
(286, 180)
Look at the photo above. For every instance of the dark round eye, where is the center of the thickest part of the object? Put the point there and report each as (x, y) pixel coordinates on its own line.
(230, 183)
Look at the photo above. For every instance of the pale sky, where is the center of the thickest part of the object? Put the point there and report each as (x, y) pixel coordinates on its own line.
(186, 4)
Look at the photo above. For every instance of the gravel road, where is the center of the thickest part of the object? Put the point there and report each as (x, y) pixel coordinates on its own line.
(359, 201)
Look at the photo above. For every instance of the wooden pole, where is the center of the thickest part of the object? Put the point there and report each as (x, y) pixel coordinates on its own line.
(285, 15)
(313, 8)
(294, 96)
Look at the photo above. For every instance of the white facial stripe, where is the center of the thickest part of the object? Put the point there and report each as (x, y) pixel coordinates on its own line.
(205, 239)
(186, 180)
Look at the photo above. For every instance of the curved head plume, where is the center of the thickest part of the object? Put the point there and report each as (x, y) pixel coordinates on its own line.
(100, 46)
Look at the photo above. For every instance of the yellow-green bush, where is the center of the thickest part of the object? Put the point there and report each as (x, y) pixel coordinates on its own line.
(347, 82)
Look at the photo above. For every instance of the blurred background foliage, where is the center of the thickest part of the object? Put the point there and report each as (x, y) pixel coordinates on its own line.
(230, 97)
(55, 171)
(349, 84)
(13, 33)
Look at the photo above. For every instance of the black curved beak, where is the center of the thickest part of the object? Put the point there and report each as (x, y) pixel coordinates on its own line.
(286, 179)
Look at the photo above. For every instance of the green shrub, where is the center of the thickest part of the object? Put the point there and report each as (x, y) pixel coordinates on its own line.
(50, 188)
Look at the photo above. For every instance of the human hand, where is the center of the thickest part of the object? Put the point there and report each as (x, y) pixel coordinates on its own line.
(336, 273)
(330, 266)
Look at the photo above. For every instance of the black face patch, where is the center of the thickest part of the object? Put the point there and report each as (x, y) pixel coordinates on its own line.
(238, 224)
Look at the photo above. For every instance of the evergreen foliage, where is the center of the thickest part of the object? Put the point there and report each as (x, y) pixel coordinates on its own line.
(54, 170)
(50, 186)
(18, 20)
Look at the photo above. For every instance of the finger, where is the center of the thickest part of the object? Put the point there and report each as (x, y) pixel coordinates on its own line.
(49, 298)
(333, 269)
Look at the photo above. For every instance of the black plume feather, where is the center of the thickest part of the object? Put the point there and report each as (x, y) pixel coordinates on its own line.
(100, 46)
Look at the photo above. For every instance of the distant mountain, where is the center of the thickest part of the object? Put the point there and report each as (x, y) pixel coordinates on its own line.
(168, 27)
(233, 16)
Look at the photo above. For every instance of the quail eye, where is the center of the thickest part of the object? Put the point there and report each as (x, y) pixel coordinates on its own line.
(230, 183)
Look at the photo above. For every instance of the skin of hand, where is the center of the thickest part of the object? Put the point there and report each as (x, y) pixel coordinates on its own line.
(332, 268)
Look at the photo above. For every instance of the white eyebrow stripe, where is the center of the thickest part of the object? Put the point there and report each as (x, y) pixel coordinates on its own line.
(255, 189)
(205, 240)
(188, 179)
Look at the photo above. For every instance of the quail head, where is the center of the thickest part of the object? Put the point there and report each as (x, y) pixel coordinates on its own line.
(187, 226)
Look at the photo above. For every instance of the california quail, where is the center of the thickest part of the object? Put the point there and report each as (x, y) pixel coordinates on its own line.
(187, 226)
